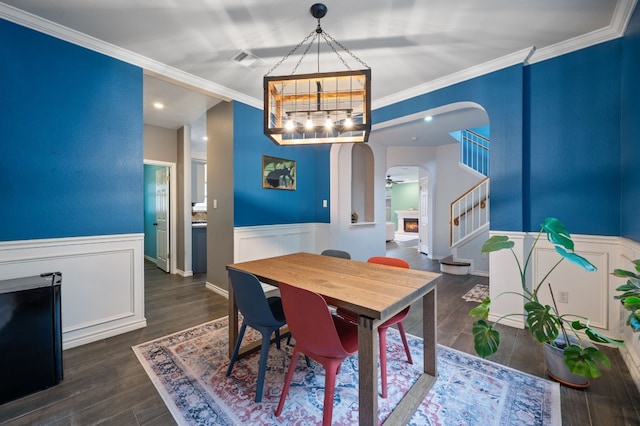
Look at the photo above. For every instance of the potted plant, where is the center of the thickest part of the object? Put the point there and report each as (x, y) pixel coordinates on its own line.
(630, 297)
(579, 359)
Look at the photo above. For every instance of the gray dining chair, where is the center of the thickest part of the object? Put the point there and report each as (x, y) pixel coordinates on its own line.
(336, 253)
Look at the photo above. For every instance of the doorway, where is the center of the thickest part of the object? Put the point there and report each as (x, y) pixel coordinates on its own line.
(160, 201)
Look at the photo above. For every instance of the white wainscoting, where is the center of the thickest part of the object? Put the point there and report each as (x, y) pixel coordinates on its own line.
(258, 242)
(102, 281)
(629, 250)
(590, 294)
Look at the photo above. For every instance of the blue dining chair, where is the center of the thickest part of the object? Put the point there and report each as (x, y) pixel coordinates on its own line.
(258, 312)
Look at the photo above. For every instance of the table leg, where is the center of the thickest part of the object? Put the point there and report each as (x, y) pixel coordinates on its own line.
(233, 319)
(429, 332)
(367, 371)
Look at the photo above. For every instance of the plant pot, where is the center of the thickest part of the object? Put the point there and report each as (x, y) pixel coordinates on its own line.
(557, 369)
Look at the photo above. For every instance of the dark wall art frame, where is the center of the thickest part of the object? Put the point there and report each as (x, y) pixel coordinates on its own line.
(278, 173)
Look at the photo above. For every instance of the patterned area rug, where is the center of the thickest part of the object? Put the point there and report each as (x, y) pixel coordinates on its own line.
(477, 293)
(188, 369)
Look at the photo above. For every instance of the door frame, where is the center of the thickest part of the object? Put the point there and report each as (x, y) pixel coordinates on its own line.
(173, 211)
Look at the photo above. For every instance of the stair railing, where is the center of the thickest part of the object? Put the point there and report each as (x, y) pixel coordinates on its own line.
(474, 151)
(469, 213)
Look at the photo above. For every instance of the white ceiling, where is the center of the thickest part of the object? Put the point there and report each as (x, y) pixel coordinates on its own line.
(411, 46)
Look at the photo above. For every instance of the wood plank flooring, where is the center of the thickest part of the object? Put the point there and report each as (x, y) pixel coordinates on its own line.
(105, 384)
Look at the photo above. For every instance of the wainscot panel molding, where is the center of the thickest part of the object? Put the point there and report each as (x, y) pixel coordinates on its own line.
(102, 281)
(589, 293)
(629, 250)
(258, 242)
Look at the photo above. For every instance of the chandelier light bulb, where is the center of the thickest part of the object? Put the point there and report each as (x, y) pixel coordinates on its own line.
(289, 124)
(348, 122)
(309, 123)
(328, 123)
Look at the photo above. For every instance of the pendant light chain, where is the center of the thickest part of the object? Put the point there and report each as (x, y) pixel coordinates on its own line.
(292, 51)
(317, 33)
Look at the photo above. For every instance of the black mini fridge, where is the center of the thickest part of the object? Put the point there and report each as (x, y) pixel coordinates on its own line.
(30, 335)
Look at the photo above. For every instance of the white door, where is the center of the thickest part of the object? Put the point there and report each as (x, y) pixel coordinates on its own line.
(424, 216)
(162, 219)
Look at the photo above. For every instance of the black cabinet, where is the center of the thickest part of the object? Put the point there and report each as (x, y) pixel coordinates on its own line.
(199, 249)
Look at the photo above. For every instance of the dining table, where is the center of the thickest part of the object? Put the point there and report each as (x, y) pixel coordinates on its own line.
(374, 293)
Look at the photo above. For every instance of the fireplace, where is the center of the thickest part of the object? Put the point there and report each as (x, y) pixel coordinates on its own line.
(410, 224)
(408, 221)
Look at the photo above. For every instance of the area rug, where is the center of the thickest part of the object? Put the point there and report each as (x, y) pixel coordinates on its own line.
(188, 369)
(477, 293)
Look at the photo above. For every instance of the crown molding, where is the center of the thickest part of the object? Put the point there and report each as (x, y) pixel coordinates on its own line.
(457, 77)
(619, 21)
(150, 66)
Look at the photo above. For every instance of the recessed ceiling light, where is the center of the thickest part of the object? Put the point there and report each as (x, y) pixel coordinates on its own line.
(428, 118)
(158, 105)
(204, 138)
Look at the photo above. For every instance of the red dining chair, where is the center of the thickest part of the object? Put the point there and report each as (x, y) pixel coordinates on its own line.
(325, 338)
(382, 328)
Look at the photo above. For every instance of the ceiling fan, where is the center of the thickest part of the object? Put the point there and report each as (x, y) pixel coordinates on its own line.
(390, 181)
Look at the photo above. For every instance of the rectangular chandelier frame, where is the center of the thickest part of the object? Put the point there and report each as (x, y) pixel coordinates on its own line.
(333, 107)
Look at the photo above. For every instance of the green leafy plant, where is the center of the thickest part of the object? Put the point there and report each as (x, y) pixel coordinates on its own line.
(630, 297)
(544, 322)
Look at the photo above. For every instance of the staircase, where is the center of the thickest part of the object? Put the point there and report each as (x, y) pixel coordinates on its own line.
(469, 213)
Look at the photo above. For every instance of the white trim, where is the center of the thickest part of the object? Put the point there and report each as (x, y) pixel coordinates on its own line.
(619, 21)
(151, 66)
(454, 78)
(102, 281)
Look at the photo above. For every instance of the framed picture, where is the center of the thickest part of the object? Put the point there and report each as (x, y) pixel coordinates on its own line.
(278, 173)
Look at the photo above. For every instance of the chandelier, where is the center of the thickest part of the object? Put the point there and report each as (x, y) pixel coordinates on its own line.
(327, 107)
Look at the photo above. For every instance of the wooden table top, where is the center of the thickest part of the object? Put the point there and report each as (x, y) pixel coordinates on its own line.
(373, 290)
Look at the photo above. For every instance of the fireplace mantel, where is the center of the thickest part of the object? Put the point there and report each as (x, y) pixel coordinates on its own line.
(405, 214)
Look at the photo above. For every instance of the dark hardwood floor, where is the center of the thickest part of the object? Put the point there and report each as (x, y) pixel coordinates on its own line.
(104, 383)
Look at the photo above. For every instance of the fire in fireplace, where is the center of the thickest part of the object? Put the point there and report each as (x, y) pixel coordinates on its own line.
(410, 224)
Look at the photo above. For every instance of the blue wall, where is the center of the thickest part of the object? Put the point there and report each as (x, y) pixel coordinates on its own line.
(71, 151)
(500, 93)
(573, 140)
(254, 205)
(630, 130)
(563, 141)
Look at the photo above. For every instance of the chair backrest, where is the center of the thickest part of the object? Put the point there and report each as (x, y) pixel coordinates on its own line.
(251, 299)
(391, 261)
(336, 253)
(310, 321)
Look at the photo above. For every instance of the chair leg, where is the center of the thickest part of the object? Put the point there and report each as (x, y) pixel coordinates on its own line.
(236, 349)
(287, 381)
(404, 341)
(262, 366)
(382, 338)
(329, 388)
(277, 338)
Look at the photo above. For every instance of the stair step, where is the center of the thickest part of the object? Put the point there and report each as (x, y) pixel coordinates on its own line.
(454, 267)
(449, 261)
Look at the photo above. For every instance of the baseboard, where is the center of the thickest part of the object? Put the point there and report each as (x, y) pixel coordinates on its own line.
(102, 334)
(631, 365)
(222, 292)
